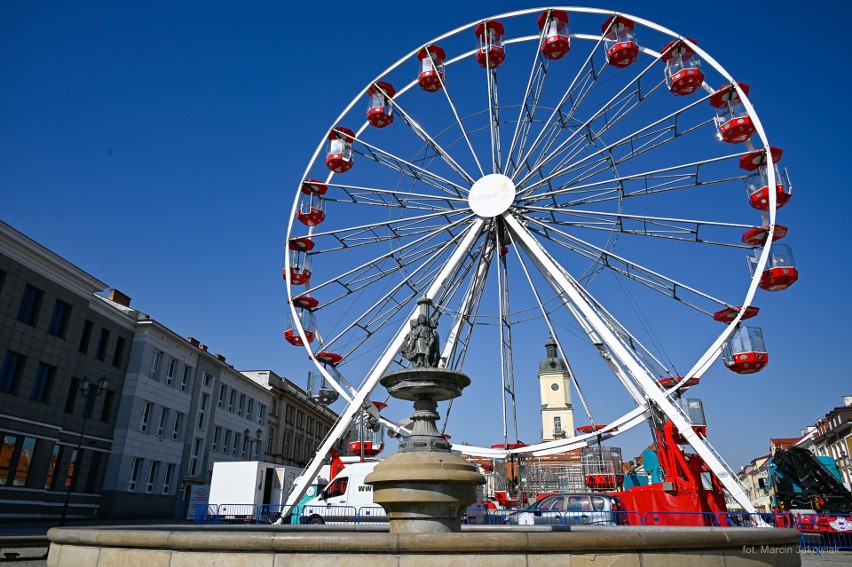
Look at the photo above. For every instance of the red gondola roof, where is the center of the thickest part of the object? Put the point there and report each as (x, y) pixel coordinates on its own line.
(305, 301)
(560, 15)
(626, 22)
(726, 93)
(757, 158)
(589, 428)
(341, 133)
(727, 315)
(508, 445)
(492, 24)
(302, 243)
(314, 186)
(386, 87)
(670, 381)
(677, 46)
(328, 357)
(435, 50)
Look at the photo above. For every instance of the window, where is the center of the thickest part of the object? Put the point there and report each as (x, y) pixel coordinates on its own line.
(242, 404)
(261, 413)
(300, 420)
(178, 426)
(71, 399)
(135, 465)
(208, 380)
(146, 415)
(92, 475)
(557, 425)
(43, 381)
(227, 442)
(59, 319)
(103, 344)
(217, 434)
(10, 373)
(196, 452)
(271, 436)
(250, 408)
(120, 343)
(164, 418)
(30, 305)
(202, 410)
(290, 413)
(244, 450)
(91, 396)
(71, 471)
(55, 456)
(184, 381)
(152, 476)
(285, 447)
(86, 337)
(238, 439)
(223, 394)
(310, 426)
(167, 479)
(170, 375)
(106, 410)
(17, 454)
(231, 401)
(155, 364)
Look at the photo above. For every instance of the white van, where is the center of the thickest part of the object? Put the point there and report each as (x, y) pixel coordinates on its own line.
(345, 499)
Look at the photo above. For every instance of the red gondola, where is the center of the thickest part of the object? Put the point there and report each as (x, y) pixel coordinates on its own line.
(589, 428)
(311, 204)
(752, 160)
(306, 320)
(431, 77)
(556, 42)
(757, 188)
(757, 236)
(732, 119)
(728, 314)
(329, 358)
(670, 381)
(780, 271)
(620, 41)
(380, 111)
(339, 157)
(300, 260)
(305, 301)
(744, 352)
(683, 68)
(491, 53)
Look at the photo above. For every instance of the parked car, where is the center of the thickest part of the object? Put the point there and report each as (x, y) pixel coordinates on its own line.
(569, 509)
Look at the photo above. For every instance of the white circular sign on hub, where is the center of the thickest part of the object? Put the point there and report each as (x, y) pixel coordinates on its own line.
(491, 195)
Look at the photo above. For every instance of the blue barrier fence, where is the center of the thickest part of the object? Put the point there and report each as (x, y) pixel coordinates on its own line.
(819, 531)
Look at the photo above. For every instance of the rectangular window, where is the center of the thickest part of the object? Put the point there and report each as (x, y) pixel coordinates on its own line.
(244, 450)
(231, 401)
(43, 381)
(106, 410)
(103, 344)
(300, 420)
(242, 404)
(71, 471)
(202, 410)
(59, 319)
(261, 413)
(146, 415)
(184, 381)
(30, 305)
(217, 435)
(92, 475)
(85, 337)
(10, 443)
(290, 413)
(164, 418)
(17, 458)
(152, 476)
(155, 364)
(10, 373)
(71, 399)
(310, 426)
(178, 426)
(135, 465)
(223, 395)
(285, 447)
(250, 408)
(120, 343)
(208, 380)
(196, 452)
(55, 456)
(226, 445)
(172, 372)
(238, 441)
(167, 479)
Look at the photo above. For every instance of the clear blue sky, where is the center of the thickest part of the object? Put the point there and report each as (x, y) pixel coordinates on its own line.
(158, 146)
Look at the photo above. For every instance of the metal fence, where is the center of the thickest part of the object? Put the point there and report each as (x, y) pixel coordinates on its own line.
(819, 531)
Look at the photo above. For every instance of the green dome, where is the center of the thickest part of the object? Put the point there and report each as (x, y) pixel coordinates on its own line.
(552, 363)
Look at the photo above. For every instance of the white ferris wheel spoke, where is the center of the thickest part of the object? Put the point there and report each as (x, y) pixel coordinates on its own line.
(459, 120)
(394, 197)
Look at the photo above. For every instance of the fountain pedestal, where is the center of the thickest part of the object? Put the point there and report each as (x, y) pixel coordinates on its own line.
(425, 488)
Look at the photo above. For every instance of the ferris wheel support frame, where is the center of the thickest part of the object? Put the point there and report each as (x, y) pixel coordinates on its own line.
(639, 374)
(301, 484)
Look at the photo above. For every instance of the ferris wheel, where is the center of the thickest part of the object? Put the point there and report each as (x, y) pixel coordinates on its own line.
(547, 169)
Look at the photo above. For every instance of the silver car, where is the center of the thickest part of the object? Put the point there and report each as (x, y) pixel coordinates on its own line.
(569, 509)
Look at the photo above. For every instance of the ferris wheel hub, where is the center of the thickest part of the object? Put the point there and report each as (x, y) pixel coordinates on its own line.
(491, 195)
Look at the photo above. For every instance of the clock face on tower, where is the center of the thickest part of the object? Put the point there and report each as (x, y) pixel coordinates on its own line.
(554, 386)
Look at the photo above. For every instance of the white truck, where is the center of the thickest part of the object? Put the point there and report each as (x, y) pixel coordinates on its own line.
(345, 498)
(238, 489)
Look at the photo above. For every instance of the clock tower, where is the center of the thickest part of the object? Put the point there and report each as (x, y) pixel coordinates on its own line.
(554, 378)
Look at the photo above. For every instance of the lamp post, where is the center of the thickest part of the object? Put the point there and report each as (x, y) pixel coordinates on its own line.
(254, 444)
(89, 394)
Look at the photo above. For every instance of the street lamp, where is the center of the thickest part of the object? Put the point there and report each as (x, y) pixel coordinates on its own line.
(252, 449)
(88, 393)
